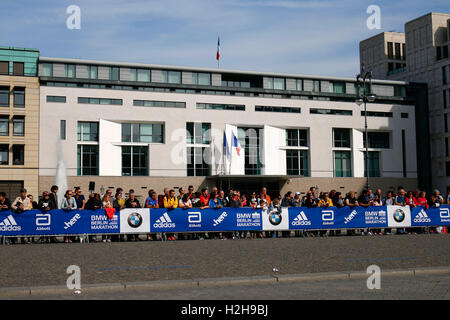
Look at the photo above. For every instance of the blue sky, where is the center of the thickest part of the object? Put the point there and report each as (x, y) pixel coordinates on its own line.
(309, 37)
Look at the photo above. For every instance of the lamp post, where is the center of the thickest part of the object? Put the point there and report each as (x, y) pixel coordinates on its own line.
(363, 99)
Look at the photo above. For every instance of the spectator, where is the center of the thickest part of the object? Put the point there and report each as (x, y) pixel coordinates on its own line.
(162, 196)
(338, 201)
(106, 201)
(185, 202)
(364, 199)
(170, 201)
(79, 199)
(181, 192)
(68, 203)
(297, 201)
(244, 200)
(309, 200)
(152, 200)
(274, 205)
(350, 200)
(21, 203)
(4, 202)
(448, 196)
(411, 200)
(235, 201)
(422, 200)
(389, 200)
(325, 201)
(223, 199)
(94, 202)
(196, 200)
(34, 204)
(288, 200)
(191, 192)
(264, 197)
(214, 201)
(118, 191)
(204, 198)
(46, 203)
(54, 195)
(118, 202)
(436, 199)
(132, 201)
(400, 200)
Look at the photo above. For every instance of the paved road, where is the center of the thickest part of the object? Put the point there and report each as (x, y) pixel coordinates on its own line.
(423, 287)
(46, 264)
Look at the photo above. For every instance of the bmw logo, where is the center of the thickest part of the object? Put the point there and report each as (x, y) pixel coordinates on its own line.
(134, 220)
(399, 215)
(275, 218)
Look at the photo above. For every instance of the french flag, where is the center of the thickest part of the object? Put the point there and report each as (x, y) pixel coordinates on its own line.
(236, 144)
(218, 49)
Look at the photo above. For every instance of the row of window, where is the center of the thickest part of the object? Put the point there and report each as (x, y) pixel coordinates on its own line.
(18, 97)
(135, 162)
(200, 78)
(18, 124)
(17, 151)
(18, 68)
(398, 91)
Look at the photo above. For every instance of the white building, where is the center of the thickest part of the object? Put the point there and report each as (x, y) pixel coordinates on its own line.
(146, 126)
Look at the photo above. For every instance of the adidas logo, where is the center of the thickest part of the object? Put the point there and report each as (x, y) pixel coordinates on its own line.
(301, 220)
(164, 222)
(9, 224)
(422, 217)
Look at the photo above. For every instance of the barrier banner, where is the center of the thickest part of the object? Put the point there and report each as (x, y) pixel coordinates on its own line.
(63, 222)
(60, 222)
(195, 220)
(337, 218)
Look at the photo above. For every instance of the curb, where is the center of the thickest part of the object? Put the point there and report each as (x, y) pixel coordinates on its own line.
(17, 292)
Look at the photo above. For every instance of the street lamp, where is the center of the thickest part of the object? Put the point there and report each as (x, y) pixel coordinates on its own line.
(366, 96)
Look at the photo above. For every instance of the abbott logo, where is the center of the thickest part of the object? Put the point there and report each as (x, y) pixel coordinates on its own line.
(195, 217)
(328, 217)
(445, 214)
(43, 219)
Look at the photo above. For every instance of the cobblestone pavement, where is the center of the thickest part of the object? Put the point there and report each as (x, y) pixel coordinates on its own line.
(45, 264)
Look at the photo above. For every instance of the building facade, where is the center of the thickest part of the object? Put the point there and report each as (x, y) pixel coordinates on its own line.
(147, 126)
(19, 120)
(425, 59)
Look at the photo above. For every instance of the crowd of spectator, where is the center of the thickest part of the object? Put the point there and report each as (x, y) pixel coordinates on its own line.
(185, 199)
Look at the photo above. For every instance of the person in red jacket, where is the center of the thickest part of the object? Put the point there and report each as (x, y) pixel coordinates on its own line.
(204, 198)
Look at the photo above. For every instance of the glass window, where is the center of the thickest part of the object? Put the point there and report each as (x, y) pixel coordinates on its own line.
(337, 87)
(331, 112)
(278, 84)
(198, 133)
(378, 140)
(213, 106)
(47, 69)
(19, 97)
(4, 96)
(341, 138)
(342, 164)
(18, 68)
(277, 109)
(143, 132)
(297, 163)
(114, 73)
(4, 154)
(201, 78)
(197, 161)
(18, 126)
(4, 67)
(87, 131)
(92, 72)
(171, 77)
(4, 126)
(143, 75)
(316, 85)
(87, 160)
(249, 139)
(61, 99)
(134, 161)
(69, 70)
(299, 85)
(18, 155)
(296, 138)
(62, 129)
(374, 164)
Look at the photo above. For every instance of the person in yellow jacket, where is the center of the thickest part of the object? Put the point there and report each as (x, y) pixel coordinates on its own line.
(170, 201)
(325, 201)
